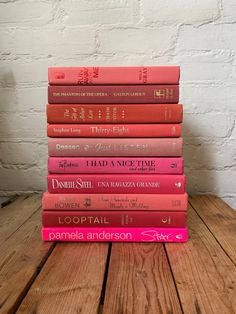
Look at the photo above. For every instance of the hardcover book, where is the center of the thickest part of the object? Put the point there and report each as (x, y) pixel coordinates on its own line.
(119, 183)
(113, 75)
(115, 234)
(110, 113)
(114, 130)
(113, 94)
(113, 219)
(165, 165)
(168, 147)
(160, 202)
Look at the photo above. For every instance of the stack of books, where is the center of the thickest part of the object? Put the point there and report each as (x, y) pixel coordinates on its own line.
(115, 155)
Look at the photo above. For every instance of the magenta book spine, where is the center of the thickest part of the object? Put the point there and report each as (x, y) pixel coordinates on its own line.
(115, 165)
(119, 183)
(115, 234)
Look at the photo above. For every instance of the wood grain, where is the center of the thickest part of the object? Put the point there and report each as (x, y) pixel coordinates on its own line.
(220, 219)
(205, 276)
(16, 213)
(70, 282)
(140, 280)
(21, 257)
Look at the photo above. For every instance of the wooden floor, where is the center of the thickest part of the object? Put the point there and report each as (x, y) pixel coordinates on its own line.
(194, 277)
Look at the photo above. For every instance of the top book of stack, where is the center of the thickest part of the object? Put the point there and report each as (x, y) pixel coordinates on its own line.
(114, 75)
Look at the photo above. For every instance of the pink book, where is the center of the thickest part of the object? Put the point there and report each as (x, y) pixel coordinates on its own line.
(119, 183)
(113, 218)
(140, 165)
(168, 147)
(113, 75)
(114, 130)
(115, 234)
(149, 202)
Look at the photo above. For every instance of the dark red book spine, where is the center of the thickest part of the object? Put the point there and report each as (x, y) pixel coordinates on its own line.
(113, 94)
(113, 219)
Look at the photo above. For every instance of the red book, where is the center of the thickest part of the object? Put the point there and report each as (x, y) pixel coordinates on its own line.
(158, 165)
(113, 75)
(84, 94)
(118, 183)
(114, 130)
(113, 219)
(160, 202)
(76, 147)
(120, 113)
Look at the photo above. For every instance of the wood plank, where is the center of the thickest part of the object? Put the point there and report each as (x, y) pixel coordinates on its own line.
(70, 281)
(219, 218)
(205, 276)
(17, 213)
(140, 280)
(21, 257)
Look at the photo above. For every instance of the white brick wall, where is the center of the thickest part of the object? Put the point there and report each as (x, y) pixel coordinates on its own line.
(198, 35)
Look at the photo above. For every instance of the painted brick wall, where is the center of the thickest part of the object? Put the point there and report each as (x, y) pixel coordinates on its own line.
(198, 35)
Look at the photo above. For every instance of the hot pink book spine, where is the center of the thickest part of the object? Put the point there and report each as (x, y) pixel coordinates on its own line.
(168, 147)
(160, 202)
(119, 183)
(115, 165)
(115, 234)
(113, 75)
(113, 219)
(114, 130)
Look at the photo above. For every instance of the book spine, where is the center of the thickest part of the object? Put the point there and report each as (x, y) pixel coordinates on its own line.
(76, 147)
(113, 219)
(113, 94)
(113, 75)
(120, 113)
(115, 165)
(115, 234)
(160, 202)
(114, 130)
(119, 183)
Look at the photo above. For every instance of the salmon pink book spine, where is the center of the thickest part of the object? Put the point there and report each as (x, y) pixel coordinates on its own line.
(113, 219)
(113, 75)
(160, 202)
(114, 130)
(111, 113)
(146, 147)
(110, 94)
(115, 234)
(119, 183)
(115, 165)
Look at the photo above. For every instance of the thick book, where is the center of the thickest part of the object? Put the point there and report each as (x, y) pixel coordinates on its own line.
(118, 183)
(110, 113)
(155, 202)
(114, 219)
(113, 75)
(113, 94)
(115, 234)
(160, 202)
(164, 165)
(138, 147)
(114, 130)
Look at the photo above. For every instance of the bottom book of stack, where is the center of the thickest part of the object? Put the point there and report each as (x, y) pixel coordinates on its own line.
(114, 217)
